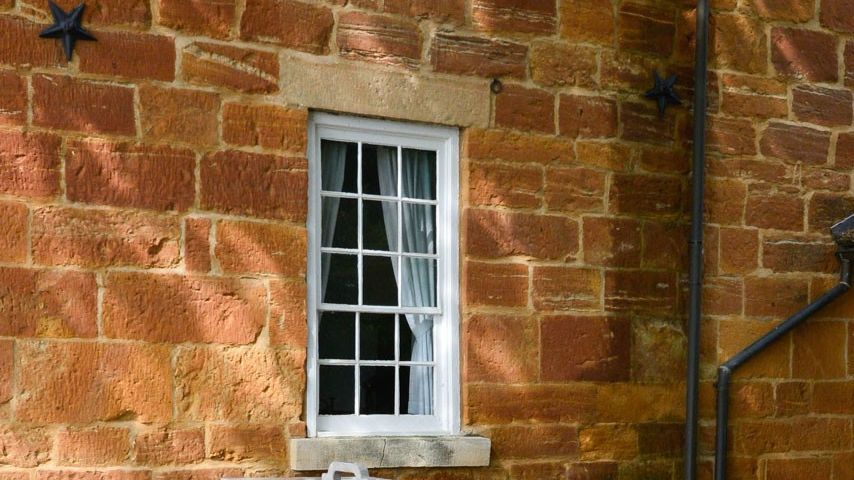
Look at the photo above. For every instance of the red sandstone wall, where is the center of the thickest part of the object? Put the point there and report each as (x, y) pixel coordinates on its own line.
(153, 199)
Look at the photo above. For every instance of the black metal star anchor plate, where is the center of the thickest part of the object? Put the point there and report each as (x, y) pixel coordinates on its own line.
(663, 92)
(67, 26)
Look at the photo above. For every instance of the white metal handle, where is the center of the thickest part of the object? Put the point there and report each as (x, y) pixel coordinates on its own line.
(337, 468)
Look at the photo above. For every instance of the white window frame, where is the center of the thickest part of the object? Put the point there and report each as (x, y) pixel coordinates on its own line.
(446, 403)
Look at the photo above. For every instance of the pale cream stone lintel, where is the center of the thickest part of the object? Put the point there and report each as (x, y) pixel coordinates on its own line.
(363, 89)
(313, 454)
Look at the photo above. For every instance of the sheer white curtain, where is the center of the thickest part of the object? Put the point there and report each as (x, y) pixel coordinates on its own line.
(418, 279)
(333, 156)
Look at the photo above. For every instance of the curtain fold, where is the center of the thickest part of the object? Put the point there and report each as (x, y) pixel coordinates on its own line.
(333, 161)
(417, 281)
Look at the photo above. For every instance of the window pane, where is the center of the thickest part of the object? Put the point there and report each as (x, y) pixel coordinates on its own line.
(419, 174)
(416, 390)
(380, 286)
(337, 390)
(340, 222)
(419, 282)
(379, 170)
(340, 278)
(416, 338)
(337, 335)
(377, 390)
(419, 228)
(376, 336)
(379, 225)
(338, 166)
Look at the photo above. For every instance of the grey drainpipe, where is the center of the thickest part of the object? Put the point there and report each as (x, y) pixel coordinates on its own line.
(843, 234)
(692, 382)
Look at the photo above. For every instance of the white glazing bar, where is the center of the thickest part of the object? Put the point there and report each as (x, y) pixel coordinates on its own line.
(379, 198)
(359, 222)
(337, 307)
(399, 260)
(373, 363)
(357, 387)
(378, 253)
(397, 365)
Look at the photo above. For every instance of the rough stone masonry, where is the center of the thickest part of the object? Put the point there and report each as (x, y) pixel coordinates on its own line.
(153, 197)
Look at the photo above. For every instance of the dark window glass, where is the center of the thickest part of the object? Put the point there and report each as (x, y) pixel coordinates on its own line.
(337, 335)
(377, 392)
(337, 390)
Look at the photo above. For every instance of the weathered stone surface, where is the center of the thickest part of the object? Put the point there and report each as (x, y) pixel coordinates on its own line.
(516, 147)
(88, 382)
(466, 55)
(612, 242)
(98, 107)
(214, 383)
(130, 175)
(823, 106)
(22, 446)
(249, 247)
(15, 53)
(47, 303)
(514, 16)
(13, 232)
(557, 64)
(587, 117)
(177, 309)
(796, 143)
(129, 55)
(251, 442)
(235, 68)
(96, 446)
(254, 185)
(289, 23)
(99, 238)
(266, 126)
(525, 109)
(179, 115)
(836, 15)
(646, 28)
(586, 349)
(575, 189)
(6, 371)
(587, 21)
(13, 99)
(502, 404)
(505, 185)
(29, 164)
(207, 17)
(491, 234)
(491, 340)
(169, 447)
(740, 43)
(503, 285)
(557, 288)
(197, 247)
(288, 317)
(369, 91)
(379, 39)
(806, 54)
(390, 452)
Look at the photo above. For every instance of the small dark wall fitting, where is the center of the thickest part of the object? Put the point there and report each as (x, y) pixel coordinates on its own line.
(843, 235)
(67, 26)
(663, 93)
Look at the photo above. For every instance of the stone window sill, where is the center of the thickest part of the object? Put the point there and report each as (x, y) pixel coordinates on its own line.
(313, 454)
